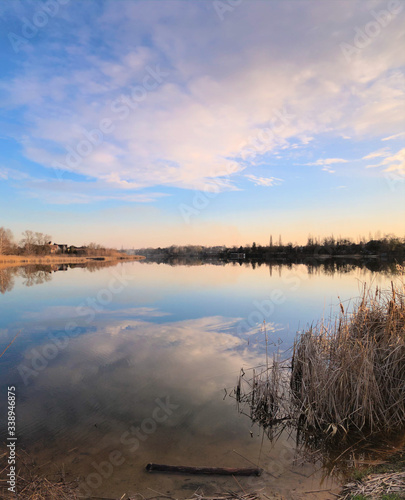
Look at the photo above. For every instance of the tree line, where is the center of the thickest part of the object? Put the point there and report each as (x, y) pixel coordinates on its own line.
(388, 246)
(34, 243)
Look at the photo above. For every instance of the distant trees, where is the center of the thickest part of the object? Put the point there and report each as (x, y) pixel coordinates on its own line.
(27, 242)
(35, 243)
(389, 247)
(6, 240)
(96, 249)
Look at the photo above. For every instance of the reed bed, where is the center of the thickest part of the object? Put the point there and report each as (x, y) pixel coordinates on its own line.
(345, 377)
(7, 261)
(267, 394)
(351, 376)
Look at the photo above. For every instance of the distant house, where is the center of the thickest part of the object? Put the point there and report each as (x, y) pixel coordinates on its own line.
(62, 248)
(53, 248)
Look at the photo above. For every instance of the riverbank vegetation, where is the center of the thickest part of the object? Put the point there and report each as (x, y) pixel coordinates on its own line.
(345, 377)
(350, 376)
(38, 249)
(7, 261)
(34, 245)
(341, 390)
(388, 247)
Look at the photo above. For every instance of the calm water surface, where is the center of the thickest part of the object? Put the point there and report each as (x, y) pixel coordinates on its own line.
(128, 364)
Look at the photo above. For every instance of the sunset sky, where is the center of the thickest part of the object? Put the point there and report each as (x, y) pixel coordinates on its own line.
(151, 123)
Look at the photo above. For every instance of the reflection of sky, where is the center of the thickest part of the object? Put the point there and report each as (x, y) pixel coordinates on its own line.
(172, 331)
(194, 292)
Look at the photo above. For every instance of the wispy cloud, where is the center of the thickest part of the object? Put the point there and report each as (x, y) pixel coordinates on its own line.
(12, 174)
(392, 163)
(395, 136)
(73, 193)
(263, 181)
(377, 154)
(395, 162)
(327, 161)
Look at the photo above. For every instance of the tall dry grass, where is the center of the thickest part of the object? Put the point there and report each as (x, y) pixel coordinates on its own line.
(343, 378)
(351, 376)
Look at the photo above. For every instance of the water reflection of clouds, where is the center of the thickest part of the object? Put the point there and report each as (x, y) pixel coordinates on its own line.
(122, 366)
(108, 379)
(109, 376)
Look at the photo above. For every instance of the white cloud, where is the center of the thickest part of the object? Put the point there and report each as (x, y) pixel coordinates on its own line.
(393, 163)
(12, 174)
(263, 181)
(327, 161)
(377, 154)
(395, 136)
(203, 111)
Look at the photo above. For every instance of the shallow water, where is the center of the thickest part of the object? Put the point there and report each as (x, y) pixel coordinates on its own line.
(129, 364)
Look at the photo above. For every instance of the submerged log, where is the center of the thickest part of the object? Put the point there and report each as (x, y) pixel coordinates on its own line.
(227, 471)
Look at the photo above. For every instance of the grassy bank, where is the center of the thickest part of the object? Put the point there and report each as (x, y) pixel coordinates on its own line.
(24, 260)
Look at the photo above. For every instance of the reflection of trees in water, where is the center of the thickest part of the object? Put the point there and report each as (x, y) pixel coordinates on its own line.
(7, 280)
(315, 265)
(36, 274)
(95, 265)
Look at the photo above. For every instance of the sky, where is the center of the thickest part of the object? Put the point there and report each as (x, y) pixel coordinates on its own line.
(151, 123)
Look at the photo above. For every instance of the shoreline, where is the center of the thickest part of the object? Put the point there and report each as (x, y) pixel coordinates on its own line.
(7, 261)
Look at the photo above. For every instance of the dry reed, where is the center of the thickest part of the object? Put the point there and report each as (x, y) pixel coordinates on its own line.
(376, 486)
(351, 376)
(343, 378)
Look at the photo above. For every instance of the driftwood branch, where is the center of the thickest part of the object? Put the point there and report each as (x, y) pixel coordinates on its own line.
(227, 471)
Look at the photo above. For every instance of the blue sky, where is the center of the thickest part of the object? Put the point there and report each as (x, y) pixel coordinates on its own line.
(142, 123)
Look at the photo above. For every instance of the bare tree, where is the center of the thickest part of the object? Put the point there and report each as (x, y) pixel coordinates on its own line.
(6, 239)
(28, 242)
(41, 241)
